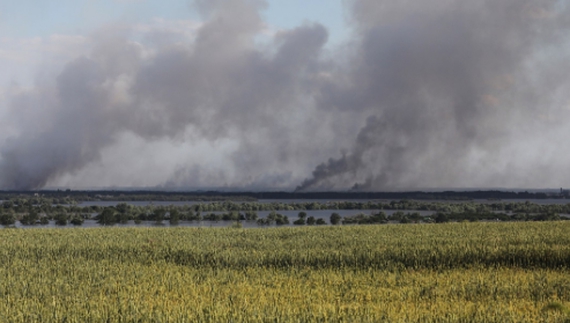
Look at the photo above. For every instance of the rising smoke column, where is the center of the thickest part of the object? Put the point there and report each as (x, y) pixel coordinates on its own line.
(442, 80)
(219, 85)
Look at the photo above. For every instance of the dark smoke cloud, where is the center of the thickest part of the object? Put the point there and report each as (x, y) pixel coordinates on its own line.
(425, 94)
(442, 79)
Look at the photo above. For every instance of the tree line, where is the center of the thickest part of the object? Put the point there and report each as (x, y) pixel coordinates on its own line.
(28, 213)
(48, 205)
(141, 195)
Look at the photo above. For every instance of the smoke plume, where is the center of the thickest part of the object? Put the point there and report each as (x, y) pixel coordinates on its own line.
(441, 93)
(219, 85)
(443, 80)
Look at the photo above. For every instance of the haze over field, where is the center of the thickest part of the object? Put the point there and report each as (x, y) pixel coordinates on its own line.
(439, 93)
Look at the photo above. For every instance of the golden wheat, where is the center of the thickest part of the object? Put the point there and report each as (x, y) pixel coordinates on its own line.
(461, 272)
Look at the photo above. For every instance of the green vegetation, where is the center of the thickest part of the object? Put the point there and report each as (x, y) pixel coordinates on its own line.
(335, 218)
(71, 196)
(452, 272)
(273, 218)
(36, 211)
(7, 218)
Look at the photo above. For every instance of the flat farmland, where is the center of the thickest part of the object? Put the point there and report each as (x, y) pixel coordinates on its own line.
(452, 272)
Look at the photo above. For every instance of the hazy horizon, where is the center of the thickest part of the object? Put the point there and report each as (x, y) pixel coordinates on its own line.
(292, 189)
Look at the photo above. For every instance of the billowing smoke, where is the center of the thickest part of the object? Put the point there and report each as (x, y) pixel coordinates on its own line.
(219, 85)
(442, 81)
(424, 94)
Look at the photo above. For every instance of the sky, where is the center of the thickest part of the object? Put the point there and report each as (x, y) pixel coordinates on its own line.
(27, 27)
(42, 18)
(284, 95)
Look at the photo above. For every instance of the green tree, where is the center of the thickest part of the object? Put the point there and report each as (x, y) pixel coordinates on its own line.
(281, 219)
(30, 218)
(250, 215)
(60, 219)
(441, 218)
(263, 221)
(122, 218)
(299, 222)
(107, 217)
(311, 220)
(174, 216)
(272, 216)
(159, 215)
(123, 208)
(77, 220)
(335, 218)
(7, 218)
(122, 214)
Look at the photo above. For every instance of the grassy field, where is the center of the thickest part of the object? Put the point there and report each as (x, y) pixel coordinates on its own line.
(457, 272)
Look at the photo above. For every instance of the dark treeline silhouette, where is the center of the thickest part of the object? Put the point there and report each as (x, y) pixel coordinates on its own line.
(140, 195)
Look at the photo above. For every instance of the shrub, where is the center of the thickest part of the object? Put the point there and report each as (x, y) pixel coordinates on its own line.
(174, 217)
(299, 222)
(61, 219)
(107, 217)
(77, 220)
(7, 219)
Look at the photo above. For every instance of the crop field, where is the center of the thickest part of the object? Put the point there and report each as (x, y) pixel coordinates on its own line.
(452, 272)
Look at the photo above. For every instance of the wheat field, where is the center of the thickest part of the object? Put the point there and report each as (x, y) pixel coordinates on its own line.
(455, 272)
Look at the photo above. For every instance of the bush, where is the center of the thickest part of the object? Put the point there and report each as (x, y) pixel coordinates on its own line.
(213, 217)
(396, 216)
(158, 215)
(107, 217)
(251, 215)
(232, 216)
(77, 220)
(263, 221)
(441, 218)
(7, 219)
(122, 218)
(61, 219)
(174, 217)
(299, 222)
(281, 220)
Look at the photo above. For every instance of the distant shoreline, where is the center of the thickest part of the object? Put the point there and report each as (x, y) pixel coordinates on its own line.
(155, 195)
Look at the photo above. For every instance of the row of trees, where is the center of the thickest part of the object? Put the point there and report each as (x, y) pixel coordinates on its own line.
(33, 218)
(21, 205)
(12, 211)
(514, 207)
